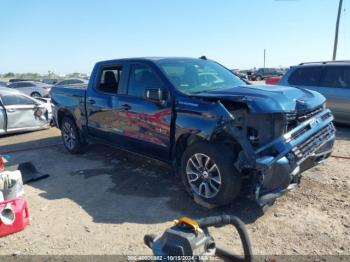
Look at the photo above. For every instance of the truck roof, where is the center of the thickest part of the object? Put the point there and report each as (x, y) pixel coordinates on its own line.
(153, 59)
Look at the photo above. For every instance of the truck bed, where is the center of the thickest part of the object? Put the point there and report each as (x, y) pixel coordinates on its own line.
(71, 98)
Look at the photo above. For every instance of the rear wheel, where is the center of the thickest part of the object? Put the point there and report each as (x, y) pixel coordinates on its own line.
(70, 135)
(35, 94)
(208, 172)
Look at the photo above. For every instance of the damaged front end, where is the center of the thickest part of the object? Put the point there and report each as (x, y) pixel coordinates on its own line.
(277, 148)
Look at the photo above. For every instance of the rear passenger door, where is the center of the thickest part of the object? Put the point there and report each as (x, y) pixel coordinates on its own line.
(335, 86)
(145, 124)
(102, 104)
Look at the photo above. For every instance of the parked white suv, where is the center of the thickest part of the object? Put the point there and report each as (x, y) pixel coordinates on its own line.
(32, 88)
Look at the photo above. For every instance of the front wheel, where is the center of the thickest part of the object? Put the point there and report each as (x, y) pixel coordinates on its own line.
(208, 172)
(70, 135)
(35, 94)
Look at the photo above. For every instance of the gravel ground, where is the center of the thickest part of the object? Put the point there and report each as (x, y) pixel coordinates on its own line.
(104, 201)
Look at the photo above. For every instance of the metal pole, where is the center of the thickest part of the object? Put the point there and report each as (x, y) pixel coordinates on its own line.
(337, 30)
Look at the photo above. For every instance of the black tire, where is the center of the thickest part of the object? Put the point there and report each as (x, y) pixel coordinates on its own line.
(35, 94)
(259, 78)
(230, 178)
(71, 137)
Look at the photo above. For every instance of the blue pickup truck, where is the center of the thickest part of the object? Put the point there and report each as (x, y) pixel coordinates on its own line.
(219, 135)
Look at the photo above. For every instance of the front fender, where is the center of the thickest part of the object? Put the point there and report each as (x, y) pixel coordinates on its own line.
(199, 118)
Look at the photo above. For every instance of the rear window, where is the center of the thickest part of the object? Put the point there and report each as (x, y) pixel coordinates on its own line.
(109, 79)
(336, 76)
(306, 76)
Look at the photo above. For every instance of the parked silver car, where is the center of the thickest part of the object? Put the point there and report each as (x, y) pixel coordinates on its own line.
(331, 79)
(19, 112)
(32, 88)
(72, 81)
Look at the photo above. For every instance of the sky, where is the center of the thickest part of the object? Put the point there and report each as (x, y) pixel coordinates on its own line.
(71, 35)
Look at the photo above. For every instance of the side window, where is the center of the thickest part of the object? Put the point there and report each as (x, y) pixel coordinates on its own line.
(24, 84)
(306, 76)
(75, 81)
(64, 82)
(10, 100)
(346, 76)
(109, 80)
(142, 77)
(336, 76)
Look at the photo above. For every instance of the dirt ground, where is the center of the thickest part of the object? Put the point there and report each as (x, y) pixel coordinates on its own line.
(104, 201)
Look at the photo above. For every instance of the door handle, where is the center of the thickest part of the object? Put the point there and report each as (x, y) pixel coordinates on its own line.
(11, 110)
(91, 101)
(126, 107)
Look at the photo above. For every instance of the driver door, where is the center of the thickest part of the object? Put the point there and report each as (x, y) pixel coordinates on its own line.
(145, 124)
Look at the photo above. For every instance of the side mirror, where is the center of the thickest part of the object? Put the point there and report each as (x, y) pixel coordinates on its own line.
(156, 95)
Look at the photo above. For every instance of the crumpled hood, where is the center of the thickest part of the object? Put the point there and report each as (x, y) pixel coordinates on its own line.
(270, 98)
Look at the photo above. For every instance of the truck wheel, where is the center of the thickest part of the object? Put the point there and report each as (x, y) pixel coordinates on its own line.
(259, 78)
(208, 172)
(70, 136)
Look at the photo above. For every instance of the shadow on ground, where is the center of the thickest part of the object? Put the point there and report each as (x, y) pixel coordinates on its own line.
(115, 187)
(343, 132)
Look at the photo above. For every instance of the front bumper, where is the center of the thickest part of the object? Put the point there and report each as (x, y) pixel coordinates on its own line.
(296, 151)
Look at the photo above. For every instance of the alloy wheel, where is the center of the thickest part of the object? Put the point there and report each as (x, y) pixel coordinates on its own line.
(69, 137)
(203, 175)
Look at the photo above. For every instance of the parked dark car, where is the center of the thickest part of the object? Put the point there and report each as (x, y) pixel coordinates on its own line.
(263, 73)
(13, 80)
(219, 134)
(332, 79)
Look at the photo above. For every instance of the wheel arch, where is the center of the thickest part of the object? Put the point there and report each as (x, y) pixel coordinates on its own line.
(186, 140)
(62, 113)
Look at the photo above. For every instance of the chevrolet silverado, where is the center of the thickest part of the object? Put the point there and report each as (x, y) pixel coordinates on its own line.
(220, 135)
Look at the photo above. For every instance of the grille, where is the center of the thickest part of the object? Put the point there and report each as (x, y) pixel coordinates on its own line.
(308, 147)
(294, 119)
(308, 115)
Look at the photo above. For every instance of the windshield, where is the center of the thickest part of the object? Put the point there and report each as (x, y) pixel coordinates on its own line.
(193, 76)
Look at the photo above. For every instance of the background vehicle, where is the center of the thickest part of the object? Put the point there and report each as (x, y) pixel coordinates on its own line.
(240, 74)
(50, 81)
(218, 134)
(31, 88)
(13, 80)
(72, 81)
(263, 73)
(332, 79)
(3, 84)
(272, 80)
(19, 112)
